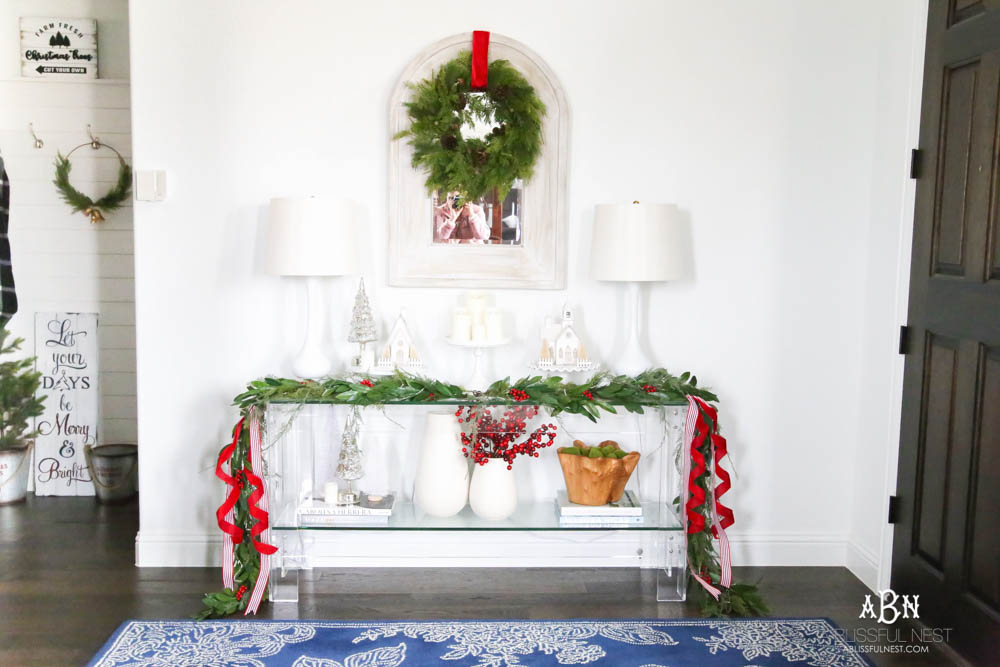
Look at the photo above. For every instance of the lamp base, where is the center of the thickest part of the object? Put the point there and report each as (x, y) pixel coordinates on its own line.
(632, 360)
(311, 364)
(311, 361)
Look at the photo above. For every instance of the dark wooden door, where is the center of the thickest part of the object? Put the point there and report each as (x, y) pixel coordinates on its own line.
(947, 540)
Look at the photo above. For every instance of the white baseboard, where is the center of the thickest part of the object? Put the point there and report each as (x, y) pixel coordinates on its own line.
(178, 550)
(787, 549)
(863, 564)
(511, 549)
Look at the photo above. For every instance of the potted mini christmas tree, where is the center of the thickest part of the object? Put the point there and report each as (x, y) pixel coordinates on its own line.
(18, 406)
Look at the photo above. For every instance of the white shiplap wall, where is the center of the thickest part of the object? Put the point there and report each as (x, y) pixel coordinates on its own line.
(61, 261)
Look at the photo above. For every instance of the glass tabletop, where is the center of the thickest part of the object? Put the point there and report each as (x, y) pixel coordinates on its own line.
(529, 516)
(449, 401)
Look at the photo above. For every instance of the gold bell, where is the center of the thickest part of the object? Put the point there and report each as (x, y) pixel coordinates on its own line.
(95, 215)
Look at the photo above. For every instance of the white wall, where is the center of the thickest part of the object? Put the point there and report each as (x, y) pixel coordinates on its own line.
(887, 264)
(62, 262)
(757, 119)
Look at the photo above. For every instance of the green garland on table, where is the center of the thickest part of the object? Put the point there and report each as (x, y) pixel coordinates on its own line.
(442, 104)
(603, 392)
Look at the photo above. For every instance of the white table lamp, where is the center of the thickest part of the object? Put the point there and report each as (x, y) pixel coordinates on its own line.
(637, 243)
(311, 237)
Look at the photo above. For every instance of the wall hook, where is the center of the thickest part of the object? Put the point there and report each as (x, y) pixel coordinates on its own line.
(38, 142)
(95, 143)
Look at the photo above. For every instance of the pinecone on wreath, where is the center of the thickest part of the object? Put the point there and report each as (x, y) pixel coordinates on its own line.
(449, 142)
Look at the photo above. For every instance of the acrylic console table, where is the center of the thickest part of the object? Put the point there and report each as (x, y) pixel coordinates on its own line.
(301, 447)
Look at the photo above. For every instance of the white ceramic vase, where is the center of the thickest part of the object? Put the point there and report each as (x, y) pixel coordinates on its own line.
(442, 485)
(493, 494)
(14, 466)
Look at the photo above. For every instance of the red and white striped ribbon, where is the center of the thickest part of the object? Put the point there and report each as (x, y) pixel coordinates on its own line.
(257, 466)
(228, 547)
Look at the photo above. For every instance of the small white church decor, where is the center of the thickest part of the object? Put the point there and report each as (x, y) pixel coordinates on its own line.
(562, 350)
(398, 351)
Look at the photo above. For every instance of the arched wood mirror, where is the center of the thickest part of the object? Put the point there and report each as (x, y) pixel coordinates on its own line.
(523, 244)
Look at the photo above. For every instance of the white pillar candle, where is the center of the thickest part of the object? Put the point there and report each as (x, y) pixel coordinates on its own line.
(476, 303)
(494, 324)
(461, 326)
(479, 333)
(330, 492)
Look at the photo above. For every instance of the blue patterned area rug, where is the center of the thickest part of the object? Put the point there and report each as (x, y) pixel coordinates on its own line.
(642, 643)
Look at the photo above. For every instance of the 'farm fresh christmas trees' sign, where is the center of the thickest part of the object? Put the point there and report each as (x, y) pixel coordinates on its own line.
(59, 48)
(66, 349)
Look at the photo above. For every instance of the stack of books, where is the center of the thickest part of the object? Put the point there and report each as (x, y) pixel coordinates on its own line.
(626, 512)
(373, 510)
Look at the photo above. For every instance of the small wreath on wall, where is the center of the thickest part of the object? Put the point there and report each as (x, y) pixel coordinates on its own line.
(445, 103)
(80, 202)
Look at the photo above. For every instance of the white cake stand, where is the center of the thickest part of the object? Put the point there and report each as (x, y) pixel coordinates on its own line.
(478, 381)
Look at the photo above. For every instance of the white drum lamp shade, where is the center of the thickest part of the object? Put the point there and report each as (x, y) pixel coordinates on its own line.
(311, 237)
(637, 243)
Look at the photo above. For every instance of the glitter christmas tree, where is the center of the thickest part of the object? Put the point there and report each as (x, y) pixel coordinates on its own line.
(349, 464)
(362, 321)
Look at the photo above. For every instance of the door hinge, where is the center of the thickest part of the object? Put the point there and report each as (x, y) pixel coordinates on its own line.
(904, 339)
(893, 509)
(915, 155)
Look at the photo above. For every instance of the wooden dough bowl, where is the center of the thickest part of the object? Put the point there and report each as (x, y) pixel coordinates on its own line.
(596, 481)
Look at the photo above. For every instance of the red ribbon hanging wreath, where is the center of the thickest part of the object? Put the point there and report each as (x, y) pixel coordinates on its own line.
(480, 59)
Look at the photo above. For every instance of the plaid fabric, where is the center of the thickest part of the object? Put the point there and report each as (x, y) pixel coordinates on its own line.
(8, 298)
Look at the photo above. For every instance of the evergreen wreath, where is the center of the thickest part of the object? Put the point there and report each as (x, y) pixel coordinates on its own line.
(445, 102)
(80, 202)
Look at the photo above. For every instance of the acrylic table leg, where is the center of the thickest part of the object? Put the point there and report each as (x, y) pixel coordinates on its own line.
(283, 584)
(671, 578)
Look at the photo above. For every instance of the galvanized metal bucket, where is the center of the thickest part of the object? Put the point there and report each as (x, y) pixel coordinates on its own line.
(114, 469)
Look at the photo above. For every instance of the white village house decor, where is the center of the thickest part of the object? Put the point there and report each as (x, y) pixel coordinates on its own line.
(54, 48)
(562, 350)
(66, 348)
(398, 351)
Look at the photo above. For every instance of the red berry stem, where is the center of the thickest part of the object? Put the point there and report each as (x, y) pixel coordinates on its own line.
(486, 436)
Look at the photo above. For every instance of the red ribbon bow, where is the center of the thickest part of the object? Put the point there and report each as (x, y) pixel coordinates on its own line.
(480, 59)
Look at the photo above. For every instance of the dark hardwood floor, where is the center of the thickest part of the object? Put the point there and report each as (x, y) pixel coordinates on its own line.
(67, 580)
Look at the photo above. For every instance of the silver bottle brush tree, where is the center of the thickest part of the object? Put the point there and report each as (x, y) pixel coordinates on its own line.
(349, 466)
(363, 329)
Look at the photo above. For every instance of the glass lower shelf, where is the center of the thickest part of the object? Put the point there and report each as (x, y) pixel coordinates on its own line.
(529, 516)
